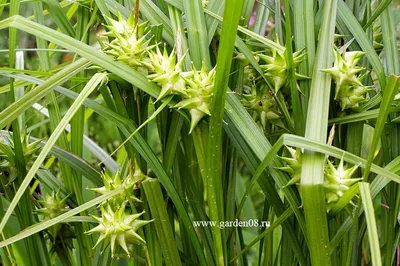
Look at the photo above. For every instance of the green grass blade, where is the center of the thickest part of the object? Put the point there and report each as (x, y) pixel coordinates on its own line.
(389, 93)
(251, 34)
(304, 37)
(297, 113)
(232, 14)
(312, 177)
(270, 229)
(59, 17)
(92, 84)
(389, 42)
(382, 6)
(371, 223)
(162, 224)
(216, 7)
(355, 28)
(363, 116)
(156, 17)
(197, 33)
(16, 108)
(46, 224)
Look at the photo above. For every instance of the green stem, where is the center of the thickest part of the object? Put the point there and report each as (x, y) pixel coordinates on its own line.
(232, 14)
(312, 177)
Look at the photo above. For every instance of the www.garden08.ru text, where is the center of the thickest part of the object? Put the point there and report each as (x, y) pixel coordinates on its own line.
(235, 223)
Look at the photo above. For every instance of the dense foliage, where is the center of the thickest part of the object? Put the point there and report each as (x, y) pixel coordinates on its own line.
(189, 132)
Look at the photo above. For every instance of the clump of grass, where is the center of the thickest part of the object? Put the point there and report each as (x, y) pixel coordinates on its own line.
(203, 96)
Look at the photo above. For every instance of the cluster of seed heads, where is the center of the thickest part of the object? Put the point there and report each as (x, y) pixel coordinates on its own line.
(349, 89)
(131, 44)
(52, 206)
(118, 224)
(337, 179)
(259, 90)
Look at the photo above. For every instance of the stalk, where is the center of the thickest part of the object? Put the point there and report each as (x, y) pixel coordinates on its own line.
(232, 14)
(312, 176)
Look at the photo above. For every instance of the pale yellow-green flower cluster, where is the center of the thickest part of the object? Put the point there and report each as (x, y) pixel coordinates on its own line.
(131, 44)
(118, 227)
(166, 72)
(338, 181)
(293, 165)
(194, 87)
(53, 206)
(349, 89)
(261, 101)
(118, 224)
(258, 93)
(276, 65)
(198, 94)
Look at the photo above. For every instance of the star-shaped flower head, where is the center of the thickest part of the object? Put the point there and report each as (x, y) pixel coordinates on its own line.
(293, 167)
(130, 42)
(198, 94)
(53, 206)
(350, 96)
(262, 102)
(117, 228)
(114, 182)
(166, 72)
(276, 67)
(338, 181)
(349, 88)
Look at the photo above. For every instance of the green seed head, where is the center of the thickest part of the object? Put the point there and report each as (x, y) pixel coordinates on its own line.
(351, 96)
(338, 181)
(130, 43)
(166, 72)
(276, 65)
(118, 228)
(349, 89)
(198, 94)
(263, 105)
(293, 166)
(114, 182)
(53, 206)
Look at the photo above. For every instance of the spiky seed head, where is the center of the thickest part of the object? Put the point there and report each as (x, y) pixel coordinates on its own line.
(276, 67)
(112, 182)
(293, 165)
(118, 228)
(337, 181)
(263, 104)
(349, 88)
(198, 94)
(351, 96)
(166, 72)
(130, 42)
(52, 206)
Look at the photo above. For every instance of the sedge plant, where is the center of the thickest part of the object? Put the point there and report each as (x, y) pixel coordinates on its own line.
(190, 132)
